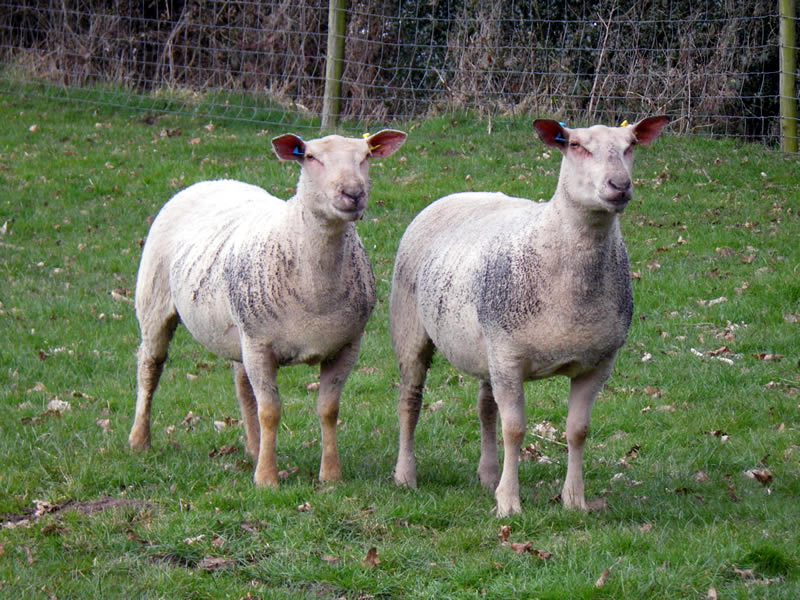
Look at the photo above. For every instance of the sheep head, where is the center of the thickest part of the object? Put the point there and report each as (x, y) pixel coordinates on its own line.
(334, 179)
(598, 161)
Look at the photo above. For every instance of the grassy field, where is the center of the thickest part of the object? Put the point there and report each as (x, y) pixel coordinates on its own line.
(694, 452)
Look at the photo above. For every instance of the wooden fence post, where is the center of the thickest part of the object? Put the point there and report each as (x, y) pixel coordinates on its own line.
(788, 66)
(332, 100)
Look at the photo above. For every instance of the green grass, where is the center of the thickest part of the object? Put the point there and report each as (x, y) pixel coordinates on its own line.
(710, 219)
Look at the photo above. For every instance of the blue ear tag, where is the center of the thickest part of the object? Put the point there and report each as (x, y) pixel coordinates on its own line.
(559, 137)
(297, 151)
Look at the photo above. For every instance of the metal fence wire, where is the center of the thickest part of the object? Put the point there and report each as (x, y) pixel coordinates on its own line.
(713, 65)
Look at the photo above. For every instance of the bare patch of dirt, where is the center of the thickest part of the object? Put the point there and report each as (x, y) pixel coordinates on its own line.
(41, 508)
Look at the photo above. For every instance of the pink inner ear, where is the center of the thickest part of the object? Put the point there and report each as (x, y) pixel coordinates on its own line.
(649, 129)
(385, 142)
(550, 132)
(289, 147)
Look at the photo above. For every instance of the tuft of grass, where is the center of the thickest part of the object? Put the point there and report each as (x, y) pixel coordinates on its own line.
(704, 392)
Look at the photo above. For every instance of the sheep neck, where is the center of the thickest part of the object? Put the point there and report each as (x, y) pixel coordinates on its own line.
(321, 246)
(571, 221)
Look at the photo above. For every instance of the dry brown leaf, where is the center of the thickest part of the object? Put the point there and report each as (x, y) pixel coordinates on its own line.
(768, 357)
(331, 560)
(700, 476)
(718, 351)
(521, 548)
(763, 476)
(104, 424)
(505, 531)
(646, 527)
(29, 554)
(712, 593)
(652, 391)
(304, 507)
(745, 573)
(601, 581)
(193, 540)
(371, 560)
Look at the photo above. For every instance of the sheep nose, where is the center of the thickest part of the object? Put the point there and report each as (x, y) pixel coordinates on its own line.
(354, 196)
(619, 184)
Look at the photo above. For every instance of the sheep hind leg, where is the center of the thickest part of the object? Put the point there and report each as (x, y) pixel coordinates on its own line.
(333, 375)
(413, 371)
(249, 409)
(488, 472)
(150, 364)
(581, 398)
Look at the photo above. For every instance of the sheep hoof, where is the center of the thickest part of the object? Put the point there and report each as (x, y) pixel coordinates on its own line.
(405, 481)
(489, 480)
(139, 443)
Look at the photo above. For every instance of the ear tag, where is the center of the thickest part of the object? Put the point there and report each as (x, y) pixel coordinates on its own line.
(365, 135)
(297, 151)
(373, 148)
(559, 137)
(624, 124)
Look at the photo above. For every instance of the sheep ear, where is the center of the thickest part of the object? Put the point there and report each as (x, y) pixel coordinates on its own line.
(649, 129)
(289, 147)
(551, 133)
(385, 142)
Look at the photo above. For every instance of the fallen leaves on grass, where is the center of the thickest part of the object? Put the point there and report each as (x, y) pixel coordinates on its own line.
(222, 451)
(750, 577)
(520, 547)
(601, 581)
(505, 531)
(104, 424)
(767, 357)
(763, 476)
(371, 560)
(713, 301)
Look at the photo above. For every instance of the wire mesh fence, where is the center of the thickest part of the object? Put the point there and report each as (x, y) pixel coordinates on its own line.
(712, 65)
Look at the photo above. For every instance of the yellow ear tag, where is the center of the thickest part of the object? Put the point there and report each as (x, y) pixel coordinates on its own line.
(624, 124)
(365, 135)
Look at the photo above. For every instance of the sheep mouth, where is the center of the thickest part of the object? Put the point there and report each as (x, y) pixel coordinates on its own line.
(351, 207)
(618, 202)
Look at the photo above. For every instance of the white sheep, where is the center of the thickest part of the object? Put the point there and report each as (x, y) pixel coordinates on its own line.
(509, 290)
(264, 283)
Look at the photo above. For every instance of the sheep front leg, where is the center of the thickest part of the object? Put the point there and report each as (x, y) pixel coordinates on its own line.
(581, 398)
(332, 377)
(261, 368)
(488, 472)
(249, 409)
(508, 394)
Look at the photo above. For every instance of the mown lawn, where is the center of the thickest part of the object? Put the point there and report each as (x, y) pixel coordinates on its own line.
(694, 453)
